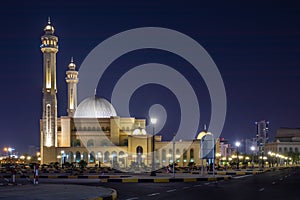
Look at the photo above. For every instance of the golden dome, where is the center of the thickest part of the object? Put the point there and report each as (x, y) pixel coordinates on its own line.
(49, 28)
(201, 134)
(72, 65)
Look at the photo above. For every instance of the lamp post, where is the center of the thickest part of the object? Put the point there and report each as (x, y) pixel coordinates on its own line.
(153, 122)
(252, 148)
(237, 144)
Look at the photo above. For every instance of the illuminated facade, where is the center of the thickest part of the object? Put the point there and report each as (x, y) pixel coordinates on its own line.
(92, 131)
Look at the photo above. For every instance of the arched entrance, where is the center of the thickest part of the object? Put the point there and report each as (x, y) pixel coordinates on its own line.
(77, 156)
(139, 154)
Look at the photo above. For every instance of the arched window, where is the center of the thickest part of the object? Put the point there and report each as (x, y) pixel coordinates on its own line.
(92, 157)
(291, 149)
(125, 142)
(122, 159)
(184, 155)
(106, 157)
(77, 156)
(48, 121)
(139, 150)
(77, 143)
(164, 155)
(170, 156)
(69, 157)
(191, 155)
(85, 156)
(90, 143)
(177, 156)
(296, 149)
(114, 157)
(104, 143)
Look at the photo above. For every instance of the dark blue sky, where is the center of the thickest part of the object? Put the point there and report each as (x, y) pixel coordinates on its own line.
(256, 47)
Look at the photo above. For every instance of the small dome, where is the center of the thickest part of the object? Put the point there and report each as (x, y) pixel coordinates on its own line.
(72, 65)
(139, 131)
(95, 107)
(201, 134)
(49, 29)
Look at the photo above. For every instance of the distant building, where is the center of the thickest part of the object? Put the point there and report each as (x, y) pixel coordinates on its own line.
(286, 140)
(225, 148)
(262, 128)
(250, 143)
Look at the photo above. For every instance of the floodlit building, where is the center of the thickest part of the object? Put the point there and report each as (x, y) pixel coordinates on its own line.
(287, 140)
(92, 130)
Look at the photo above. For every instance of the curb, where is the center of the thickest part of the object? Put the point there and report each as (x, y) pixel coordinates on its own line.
(239, 173)
(112, 196)
(68, 177)
(162, 180)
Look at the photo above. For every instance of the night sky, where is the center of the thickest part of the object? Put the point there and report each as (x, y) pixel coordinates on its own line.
(256, 47)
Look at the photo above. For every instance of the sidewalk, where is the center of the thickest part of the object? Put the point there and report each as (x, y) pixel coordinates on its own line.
(57, 192)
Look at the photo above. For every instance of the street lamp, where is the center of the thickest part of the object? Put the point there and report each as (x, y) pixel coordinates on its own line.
(153, 122)
(252, 149)
(237, 144)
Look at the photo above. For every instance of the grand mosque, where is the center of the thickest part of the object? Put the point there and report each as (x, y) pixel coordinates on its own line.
(92, 131)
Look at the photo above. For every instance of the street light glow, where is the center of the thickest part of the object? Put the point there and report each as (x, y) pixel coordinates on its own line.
(237, 144)
(153, 120)
(252, 148)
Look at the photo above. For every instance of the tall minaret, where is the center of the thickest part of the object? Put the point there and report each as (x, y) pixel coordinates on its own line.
(72, 80)
(49, 121)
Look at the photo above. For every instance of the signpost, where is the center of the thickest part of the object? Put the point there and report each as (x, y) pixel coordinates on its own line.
(207, 150)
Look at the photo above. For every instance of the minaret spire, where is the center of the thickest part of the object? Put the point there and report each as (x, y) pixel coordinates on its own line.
(49, 21)
(49, 49)
(72, 80)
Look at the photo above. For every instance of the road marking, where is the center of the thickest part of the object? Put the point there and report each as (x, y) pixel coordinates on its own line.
(281, 179)
(171, 190)
(153, 194)
(273, 182)
(196, 185)
(237, 177)
(133, 198)
(185, 187)
(206, 183)
(261, 189)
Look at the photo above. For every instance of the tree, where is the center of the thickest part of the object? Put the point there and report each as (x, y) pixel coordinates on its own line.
(82, 164)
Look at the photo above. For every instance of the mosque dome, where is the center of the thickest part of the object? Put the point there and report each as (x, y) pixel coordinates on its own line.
(95, 107)
(201, 134)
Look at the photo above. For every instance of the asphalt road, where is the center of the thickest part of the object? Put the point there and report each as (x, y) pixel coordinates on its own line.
(281, 185)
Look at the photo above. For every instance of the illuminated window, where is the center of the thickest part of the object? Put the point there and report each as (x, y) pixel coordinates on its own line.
(191, 155)
(48, 118)
(90, 143)
(184, 155)
(163, 155)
